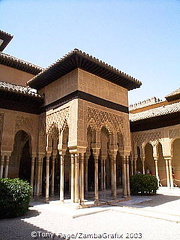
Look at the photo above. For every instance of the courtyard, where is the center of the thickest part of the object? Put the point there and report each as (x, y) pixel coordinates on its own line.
(142, 217)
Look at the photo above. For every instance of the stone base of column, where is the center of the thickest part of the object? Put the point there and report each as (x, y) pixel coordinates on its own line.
(96, 202)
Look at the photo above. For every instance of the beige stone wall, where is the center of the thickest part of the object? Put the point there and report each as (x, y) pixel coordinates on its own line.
(61, 87)
(86, 82)
(15, 121)
(102, 88)
(15, 76)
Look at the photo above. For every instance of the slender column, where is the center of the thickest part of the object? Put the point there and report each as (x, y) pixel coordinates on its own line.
(32, 173)
(7, 166)
(2, 166)
(82, 178)
(72, 178)
(132, 166)
(47, 178)
(135, 165)
(128, 181)
(96, 179)
(102, 174)
(113, 175)
(86, 174)
(124, 177)
(62, 178)
(39, 176)
(143, 165)
(76, 178)
(167, 172)
(156, 168)
(53, 169)
(170, 174)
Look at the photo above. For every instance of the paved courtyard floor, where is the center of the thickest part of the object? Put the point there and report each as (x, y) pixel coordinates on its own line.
(142, 217)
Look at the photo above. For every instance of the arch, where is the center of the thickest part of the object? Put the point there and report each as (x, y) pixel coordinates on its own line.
(139, 166)
(176, 161)
(149, 164)
(20, 160)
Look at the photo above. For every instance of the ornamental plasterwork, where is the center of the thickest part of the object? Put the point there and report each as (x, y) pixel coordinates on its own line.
(23, 123)
(57, 119)
(139, 138)
(175, 133)
(98, 119)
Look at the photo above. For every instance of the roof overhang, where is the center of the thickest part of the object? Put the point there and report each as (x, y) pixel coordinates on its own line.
(5, 38)
(78, 59)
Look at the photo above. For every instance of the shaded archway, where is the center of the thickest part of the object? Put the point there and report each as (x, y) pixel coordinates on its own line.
(149, 164)
(176, 161)
(20, 161)
(139, 166)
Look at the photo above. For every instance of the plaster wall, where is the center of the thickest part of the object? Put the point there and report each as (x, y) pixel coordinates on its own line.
(102, 88)
(14, 76)
(61, 87)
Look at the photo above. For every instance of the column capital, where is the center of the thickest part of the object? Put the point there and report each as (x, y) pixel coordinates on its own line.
(6, 153)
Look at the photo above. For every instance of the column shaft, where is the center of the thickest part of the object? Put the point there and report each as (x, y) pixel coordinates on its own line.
(53, 169)
(47, 178)
(86, 174)
(7, 166)
(2, 166)
(102, 174)
(96, 179)
(82, 179)
(76, 178)
(124, 177)
(61, 178)
(128, 180)
(32, 173)
(170, 174)
(167, 172)
(72, 178)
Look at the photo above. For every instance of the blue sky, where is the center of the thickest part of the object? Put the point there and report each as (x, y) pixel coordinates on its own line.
(139, 37)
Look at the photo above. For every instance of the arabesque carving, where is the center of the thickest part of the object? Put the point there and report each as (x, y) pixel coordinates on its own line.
(58, 119)
(97, 119)
(22, 122)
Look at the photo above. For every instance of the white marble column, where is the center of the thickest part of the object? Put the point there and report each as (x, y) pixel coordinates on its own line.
(170, 174)
(2, 166)
(113, 175)
(102, 173)
(124, 176)
(76, 178)
(32, 172)
(167, 171)
(47, 177)
(96, 200)
(53, 174)
(62, 178)
(156, 168)
(7, 166)
(72, 178)
(128, 180)
(81, 178)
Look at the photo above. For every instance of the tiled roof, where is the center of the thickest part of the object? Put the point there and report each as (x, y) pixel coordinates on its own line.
(155, 112)
(19, 89)
(17, 63)
(78, 59)
(174, 95)
(6, 38)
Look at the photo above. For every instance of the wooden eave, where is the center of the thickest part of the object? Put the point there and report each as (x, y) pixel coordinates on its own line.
(19, 64)
(6, 37)
(79, 59)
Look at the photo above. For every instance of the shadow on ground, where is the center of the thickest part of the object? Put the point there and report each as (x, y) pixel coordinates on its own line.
(18, 229)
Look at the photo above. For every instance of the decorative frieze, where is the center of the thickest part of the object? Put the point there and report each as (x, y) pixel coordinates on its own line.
(57, 120)
(1, 126)
(23, 123)
(99, 118)
(139, 138)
